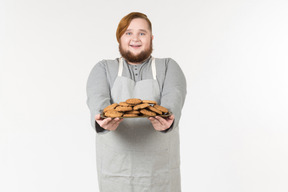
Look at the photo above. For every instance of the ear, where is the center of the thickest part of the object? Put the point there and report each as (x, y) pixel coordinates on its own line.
(152, 37)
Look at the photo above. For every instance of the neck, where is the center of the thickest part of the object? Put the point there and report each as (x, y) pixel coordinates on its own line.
(137, 63)
(133, 63)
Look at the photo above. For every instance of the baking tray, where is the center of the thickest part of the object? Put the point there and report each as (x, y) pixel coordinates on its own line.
(141, 116)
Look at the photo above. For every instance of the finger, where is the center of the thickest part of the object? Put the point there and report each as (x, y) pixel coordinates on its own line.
(151, 118)
(113, 122)
(120, 120)
(112, 128)
(156, 124)
(165, 123)
(161, 120)
(154, 121)
(172, 117)
(106, 121)
(117, 123)
(98, 117)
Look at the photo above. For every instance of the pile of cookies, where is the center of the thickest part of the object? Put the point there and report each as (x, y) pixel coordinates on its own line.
(135, 108)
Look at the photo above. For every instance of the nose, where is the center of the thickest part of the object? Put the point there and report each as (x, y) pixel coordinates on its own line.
(135, 37)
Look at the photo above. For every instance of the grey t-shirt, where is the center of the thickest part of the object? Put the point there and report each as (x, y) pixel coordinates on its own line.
(171, 80)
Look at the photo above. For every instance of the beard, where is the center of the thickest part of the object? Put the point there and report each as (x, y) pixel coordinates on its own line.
(139, 58)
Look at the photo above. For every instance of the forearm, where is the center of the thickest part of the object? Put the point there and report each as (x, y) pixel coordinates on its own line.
(174, 91)
(98, 93)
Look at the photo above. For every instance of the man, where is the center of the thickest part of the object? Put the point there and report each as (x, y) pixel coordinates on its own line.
(137, 154)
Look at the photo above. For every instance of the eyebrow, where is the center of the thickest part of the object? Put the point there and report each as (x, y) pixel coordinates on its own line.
(143, 30)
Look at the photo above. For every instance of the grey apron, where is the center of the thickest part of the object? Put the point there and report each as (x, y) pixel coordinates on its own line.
(135, 157)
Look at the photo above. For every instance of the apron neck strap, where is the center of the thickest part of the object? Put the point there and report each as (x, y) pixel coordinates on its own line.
(153, 65)
(120, 67)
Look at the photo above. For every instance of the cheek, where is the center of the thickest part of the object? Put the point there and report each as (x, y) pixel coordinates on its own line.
(124, 41)
(146, 42)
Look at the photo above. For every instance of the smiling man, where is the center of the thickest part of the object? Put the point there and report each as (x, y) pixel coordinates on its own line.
(137, 154)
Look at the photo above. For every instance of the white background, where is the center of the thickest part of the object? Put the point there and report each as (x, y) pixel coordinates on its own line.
(234, 124)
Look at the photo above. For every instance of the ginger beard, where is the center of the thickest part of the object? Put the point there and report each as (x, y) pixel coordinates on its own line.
(139, 58)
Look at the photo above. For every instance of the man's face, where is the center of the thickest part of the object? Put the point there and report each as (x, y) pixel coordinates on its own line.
(136, 43)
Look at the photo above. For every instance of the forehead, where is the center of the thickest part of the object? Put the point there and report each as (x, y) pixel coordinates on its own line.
(138, 23)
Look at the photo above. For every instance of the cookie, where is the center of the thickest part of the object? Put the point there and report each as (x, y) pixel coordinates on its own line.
(113, 113)
(132, 112)
(130, 115)
(109, 107)
(147, 112)
(149, 102)
(133, 101)
(141, 106)
(155, 110)
(124, 104)
(161, 108)
(121, 108)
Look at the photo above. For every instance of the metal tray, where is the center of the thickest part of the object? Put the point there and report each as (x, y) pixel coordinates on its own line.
(141, 116)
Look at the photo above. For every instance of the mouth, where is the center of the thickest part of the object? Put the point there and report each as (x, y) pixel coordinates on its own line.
(135, 46)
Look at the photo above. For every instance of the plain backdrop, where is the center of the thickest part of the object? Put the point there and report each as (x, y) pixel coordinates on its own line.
(234, 123)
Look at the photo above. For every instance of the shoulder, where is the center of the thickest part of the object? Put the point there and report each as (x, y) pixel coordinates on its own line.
(168, 66)
(166, 63)
(107, 62)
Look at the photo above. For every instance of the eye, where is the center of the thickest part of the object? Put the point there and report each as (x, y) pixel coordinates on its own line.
(142, 34)
(128, 33)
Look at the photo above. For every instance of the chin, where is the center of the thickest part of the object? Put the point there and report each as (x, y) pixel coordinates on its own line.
(136, 52)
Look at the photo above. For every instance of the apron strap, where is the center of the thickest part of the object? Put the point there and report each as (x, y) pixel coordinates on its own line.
(120, 67)
(153, 68)
(153, 65)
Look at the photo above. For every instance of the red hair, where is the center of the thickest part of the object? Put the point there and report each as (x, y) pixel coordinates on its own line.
(125, 22)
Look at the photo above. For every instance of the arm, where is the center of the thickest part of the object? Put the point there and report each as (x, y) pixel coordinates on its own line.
(98, 95)
(172, 97)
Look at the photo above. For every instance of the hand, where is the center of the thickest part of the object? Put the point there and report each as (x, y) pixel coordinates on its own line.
(161, 124)
(108, 123)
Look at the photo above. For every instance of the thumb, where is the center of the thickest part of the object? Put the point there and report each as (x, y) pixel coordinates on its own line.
(171, 117)
(98, 117)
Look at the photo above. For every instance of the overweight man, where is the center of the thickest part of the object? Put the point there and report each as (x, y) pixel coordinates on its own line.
(137, 154)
